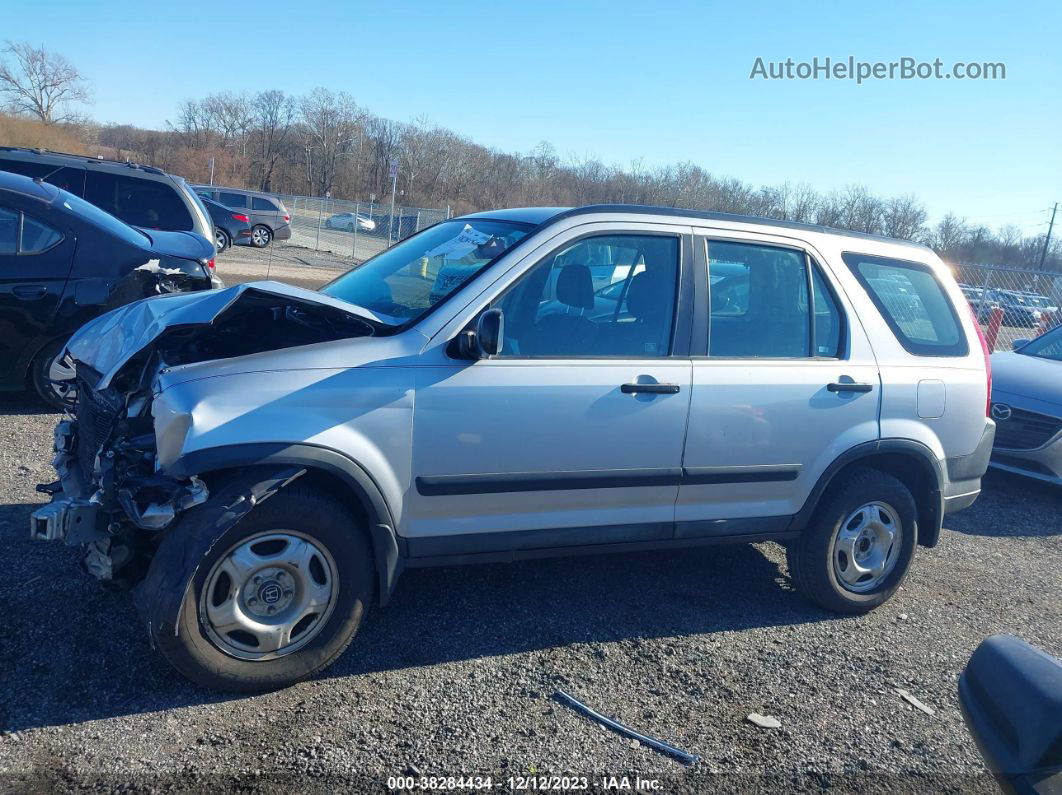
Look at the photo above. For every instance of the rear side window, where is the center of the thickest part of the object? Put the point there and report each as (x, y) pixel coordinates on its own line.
(140, 202)
(67, 178)
(912, 302)
(8, 231)
(37, 237)
(758, 304)
(237, 200)
(21, 234)
(263, 204)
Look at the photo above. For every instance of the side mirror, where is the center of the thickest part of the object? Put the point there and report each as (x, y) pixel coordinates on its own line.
(488, 337)
(1018, 344)
(1011, 700)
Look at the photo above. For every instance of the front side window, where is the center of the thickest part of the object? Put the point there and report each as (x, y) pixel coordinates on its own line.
(604, 296)
(407, 280)
(140, 202)
(759, 304)
(912, 302)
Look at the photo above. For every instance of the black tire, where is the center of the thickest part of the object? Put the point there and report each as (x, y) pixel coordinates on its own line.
(221, 240)
(318, 516)
(811, 556)
(39, 375)
(261, 236)
(350, 227)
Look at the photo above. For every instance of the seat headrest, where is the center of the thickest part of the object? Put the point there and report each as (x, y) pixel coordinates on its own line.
(647, 294)
(575, 287)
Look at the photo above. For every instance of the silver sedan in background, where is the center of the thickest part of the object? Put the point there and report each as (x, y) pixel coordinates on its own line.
(1027, 408)
(348, 221)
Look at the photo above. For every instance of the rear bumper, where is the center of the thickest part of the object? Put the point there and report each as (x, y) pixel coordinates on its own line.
(282, 232)
(965, 472)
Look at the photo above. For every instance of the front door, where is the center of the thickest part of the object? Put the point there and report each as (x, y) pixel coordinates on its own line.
(573, 435)
(782, 387)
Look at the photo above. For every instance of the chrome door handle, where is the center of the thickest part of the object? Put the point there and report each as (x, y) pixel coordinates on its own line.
(651, 388)
(849, 387)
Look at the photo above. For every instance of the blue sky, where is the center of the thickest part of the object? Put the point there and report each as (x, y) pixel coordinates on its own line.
(623, 80)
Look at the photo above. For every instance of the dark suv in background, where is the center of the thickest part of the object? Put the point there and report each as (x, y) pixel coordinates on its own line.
(270, 219)
(141, 196)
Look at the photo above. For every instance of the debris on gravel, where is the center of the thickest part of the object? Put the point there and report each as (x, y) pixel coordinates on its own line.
(455, 676)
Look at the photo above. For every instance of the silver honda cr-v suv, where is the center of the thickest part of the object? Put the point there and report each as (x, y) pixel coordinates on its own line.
(262, 462)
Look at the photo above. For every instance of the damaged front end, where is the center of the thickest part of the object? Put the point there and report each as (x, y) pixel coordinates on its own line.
(112, 497)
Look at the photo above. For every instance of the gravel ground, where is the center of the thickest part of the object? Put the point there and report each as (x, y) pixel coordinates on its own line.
(456, 675)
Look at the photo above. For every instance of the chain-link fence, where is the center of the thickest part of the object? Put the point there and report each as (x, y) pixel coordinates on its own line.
(1011, 303)
(354, 229)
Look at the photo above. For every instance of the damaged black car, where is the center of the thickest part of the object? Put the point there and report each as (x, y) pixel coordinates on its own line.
(64, 262)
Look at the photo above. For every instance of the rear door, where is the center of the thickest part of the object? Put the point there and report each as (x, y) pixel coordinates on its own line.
(782, 385)
(35, 260)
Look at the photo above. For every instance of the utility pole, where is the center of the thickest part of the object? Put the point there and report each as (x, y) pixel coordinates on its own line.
(394, 186)
(211, 172)
(1047, 240)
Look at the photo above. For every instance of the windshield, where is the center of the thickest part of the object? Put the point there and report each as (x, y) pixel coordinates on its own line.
(1046, 346)
(97, 217)
(407, 280)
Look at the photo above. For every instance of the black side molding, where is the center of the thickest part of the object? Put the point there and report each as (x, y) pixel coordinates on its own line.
(514, 482)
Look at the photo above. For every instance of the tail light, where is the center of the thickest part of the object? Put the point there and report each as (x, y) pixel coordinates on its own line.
(988, 363)
(240, 217)
(287, 218)
(210, 264)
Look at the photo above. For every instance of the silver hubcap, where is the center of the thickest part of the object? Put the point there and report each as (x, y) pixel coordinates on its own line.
(269, 595)
(867, 546)
(261, 236)
(219, 240)
(61, 377)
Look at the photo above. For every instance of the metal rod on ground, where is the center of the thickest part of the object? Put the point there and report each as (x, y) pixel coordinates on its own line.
(684, 757)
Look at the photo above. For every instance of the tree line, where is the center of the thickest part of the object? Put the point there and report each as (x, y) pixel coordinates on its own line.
(325, 143)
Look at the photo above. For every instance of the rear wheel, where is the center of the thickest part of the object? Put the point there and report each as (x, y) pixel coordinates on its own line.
(277, 599)
(52, 378)
(859, 546)
(261, 236)
(221, 240)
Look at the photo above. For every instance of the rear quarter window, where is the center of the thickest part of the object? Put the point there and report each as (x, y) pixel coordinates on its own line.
(263, 204)
(141, 202)
(913, 303)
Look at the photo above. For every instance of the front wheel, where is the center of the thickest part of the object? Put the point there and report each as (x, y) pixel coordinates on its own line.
(859, 545)
(261, 236)
(276, 599)
(52, 376)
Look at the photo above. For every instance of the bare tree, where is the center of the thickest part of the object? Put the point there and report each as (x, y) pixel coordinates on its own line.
(272, 119)
(40, 83)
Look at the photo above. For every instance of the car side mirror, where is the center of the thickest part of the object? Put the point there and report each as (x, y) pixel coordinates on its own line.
(1011, 700)
(1018, 344)
(488, 337)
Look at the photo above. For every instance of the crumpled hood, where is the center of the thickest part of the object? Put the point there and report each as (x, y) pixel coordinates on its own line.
(108, 342)
(1027, 376)
(187, 245)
